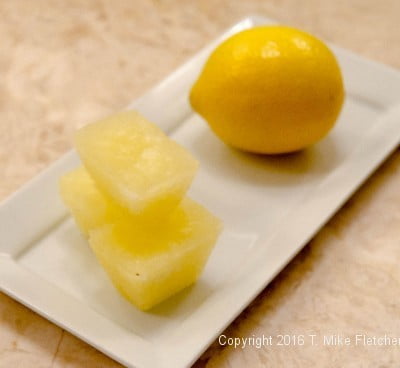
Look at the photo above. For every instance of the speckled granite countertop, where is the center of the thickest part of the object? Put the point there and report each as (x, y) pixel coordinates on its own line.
(64, 63)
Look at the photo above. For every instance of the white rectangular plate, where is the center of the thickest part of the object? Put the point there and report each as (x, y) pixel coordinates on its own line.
(270, 206)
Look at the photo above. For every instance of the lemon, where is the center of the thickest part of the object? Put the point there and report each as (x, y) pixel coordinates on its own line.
(270, 89)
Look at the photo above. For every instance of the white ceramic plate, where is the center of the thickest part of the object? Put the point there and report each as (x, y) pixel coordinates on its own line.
(271, 207)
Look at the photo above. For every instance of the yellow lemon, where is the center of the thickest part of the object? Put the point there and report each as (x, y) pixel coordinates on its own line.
(270, 89)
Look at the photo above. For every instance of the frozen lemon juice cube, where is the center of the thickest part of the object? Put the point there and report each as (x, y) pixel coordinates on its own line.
(135, 163)
(89, 207)
(148, 263)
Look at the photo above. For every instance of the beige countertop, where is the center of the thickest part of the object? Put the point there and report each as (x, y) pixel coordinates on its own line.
(66, 62)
